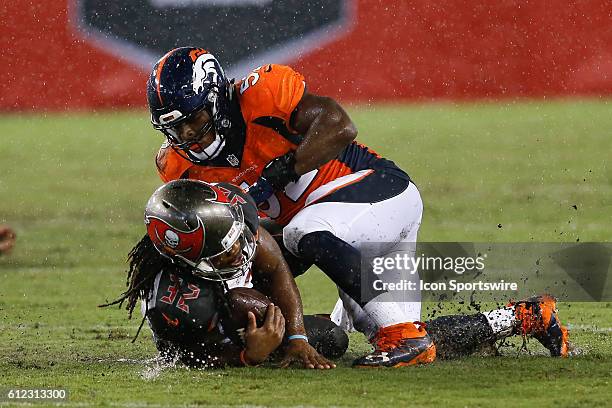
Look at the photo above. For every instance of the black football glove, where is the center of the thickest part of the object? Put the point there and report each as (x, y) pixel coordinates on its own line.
(275, 176)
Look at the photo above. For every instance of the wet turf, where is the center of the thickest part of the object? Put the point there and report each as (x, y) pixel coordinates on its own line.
(74, 187)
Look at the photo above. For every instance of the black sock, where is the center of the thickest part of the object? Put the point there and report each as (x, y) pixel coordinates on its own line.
(337, 259)
(460, 335)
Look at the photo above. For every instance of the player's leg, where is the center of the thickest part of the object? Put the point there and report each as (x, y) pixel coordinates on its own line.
(462, 335)
(332, 234)
(339, 316)
(459, 335)
(297, 266)
(351, 317)
(535, 317)
(335, 233)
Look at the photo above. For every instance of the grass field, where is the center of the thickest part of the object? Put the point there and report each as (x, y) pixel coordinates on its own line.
(74, 188)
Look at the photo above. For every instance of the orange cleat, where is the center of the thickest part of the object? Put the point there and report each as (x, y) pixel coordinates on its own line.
(538, 317)
(400, 345)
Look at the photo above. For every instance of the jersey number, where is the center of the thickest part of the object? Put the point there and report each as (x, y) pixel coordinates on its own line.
(294, 191)
(253, 77)
(173, 290)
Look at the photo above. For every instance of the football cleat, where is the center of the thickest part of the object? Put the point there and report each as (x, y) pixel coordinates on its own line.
(538, 317)
(400, 345)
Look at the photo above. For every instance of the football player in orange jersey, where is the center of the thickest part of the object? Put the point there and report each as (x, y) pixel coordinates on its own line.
(203, 240)
(295, 153)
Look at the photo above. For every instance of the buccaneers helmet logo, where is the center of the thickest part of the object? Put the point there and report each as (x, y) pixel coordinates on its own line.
(172, 241)
(171, 238)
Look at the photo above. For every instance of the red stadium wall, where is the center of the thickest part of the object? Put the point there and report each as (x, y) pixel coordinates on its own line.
(393, 50)
(47, 66)
(462, 49)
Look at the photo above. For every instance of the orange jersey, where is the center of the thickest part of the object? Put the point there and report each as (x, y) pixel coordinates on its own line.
(267, 97)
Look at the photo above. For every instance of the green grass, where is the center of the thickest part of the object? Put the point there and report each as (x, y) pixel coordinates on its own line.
(74, 187)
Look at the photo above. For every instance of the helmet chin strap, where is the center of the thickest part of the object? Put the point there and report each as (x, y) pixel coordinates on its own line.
(211, 151)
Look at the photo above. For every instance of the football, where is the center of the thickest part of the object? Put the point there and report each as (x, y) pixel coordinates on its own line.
(242, 301)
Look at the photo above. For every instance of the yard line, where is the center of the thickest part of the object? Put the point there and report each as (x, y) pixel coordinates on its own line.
(589, 327)
(89, 404)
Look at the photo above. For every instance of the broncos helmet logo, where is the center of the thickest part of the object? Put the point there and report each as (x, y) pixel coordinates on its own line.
(206, 72)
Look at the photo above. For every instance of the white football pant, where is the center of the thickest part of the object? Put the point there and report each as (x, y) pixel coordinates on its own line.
(376, 230)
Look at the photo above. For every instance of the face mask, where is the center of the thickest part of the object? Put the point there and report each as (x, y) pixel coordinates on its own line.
(211, 151)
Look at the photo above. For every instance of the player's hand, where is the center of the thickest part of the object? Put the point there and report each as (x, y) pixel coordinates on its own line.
(279, 172)
(7, 239)
(301, 352)
(261, 191)
(261, 341)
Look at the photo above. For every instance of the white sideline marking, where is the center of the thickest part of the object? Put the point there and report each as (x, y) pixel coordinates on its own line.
(90, 404)
(44, 326)
(51, 403)
(101, 328)
(146, 405)
(589, 327)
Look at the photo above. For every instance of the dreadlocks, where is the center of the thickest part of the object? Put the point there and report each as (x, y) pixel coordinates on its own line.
(145, 263)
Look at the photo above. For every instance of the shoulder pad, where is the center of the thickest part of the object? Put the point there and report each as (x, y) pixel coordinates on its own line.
(170, 165)
(270, 90)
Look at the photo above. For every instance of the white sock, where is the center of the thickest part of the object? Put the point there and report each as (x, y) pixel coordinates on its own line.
(501, 321)
(385, 311)
(374, 315)
(351, 317)
(400, 306)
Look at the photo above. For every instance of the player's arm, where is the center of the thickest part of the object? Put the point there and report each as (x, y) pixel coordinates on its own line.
(207, 349)
(272, 275)
(260, 342)
(326, 128)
